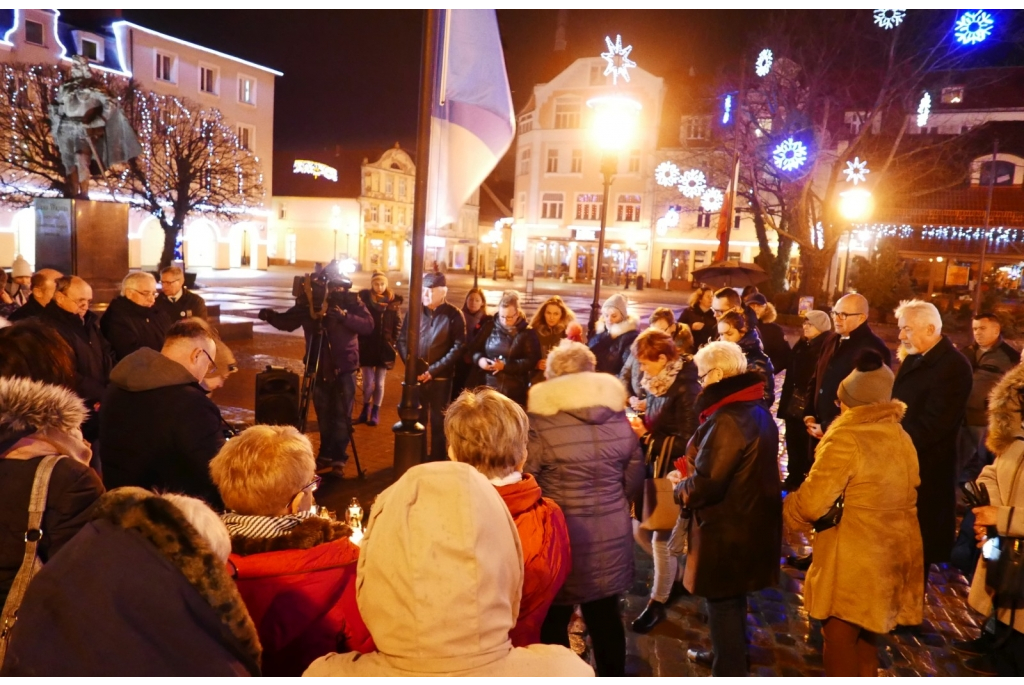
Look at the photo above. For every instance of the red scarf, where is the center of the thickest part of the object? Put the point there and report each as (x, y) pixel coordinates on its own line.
(754, 392)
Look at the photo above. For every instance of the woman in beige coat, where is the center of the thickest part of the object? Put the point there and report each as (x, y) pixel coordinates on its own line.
(868, 572)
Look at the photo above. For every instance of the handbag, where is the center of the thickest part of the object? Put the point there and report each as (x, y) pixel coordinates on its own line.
(1004, 561)
(796, 405)
(30, 563)
(660, 509)
(831, 518)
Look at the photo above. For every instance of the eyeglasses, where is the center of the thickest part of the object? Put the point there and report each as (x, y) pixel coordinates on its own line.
(313, 485)
(509, 318)
(843, 316)
(700, 379)
(176, 280)
(144, 293)
(719, 312)
(213, 364)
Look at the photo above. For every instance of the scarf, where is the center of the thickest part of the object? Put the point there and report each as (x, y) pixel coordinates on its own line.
(51, 441)
(753, 393)
(242, 526)
(659, 384)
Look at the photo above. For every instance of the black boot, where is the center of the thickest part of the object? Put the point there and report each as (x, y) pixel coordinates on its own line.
(364, 415)
(799, 563)
(649, 617)
(374, 416)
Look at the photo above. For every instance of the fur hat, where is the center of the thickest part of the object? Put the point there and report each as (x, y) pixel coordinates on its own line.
(434, 280)
(21, 267)
(819, 320)
(870, 382)
(617, 301)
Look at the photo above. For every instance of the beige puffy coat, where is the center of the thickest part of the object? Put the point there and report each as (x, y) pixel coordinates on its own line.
(868, 570)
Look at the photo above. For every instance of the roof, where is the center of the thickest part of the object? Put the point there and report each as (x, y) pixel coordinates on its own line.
(117, 25)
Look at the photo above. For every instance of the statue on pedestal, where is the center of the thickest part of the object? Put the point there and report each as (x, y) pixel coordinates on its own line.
(88, 125)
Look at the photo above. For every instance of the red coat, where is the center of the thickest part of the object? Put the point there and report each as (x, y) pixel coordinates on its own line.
(301, 594)
(547, 559)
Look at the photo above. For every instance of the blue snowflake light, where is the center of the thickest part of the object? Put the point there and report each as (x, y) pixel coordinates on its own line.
(790, 154)
(727, 109)
(973, 27)
(889, 18)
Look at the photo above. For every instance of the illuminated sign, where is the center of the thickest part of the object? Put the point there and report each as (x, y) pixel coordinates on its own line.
(585, 234)
(315, 169)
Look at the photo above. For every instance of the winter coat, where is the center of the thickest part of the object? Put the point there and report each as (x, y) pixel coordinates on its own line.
(935, 388)
(586, 457)
(671, 415)
(837, 361)
(519, 346)
(988, 369)
(611, 344)
(137, 592)
(158, 428)
(26, 311)
(37, 420)
(188, 304)
(546, 555)
(94, 358)
(300, 590)
(441, 342)
(340, 353)
(758, 361)
(549, 338)
(732, 493)
(773, 338)
(466, 373)
(868, 570)
(377, 349)
(692, 315)
(802, 363)
(128, 327)
(440, 575)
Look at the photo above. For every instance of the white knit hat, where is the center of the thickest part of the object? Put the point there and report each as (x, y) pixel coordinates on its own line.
(21, 267)
(617, 301)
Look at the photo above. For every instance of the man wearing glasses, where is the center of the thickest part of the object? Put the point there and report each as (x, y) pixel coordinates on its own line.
(175, 300)
(130, 322)
(158, 427)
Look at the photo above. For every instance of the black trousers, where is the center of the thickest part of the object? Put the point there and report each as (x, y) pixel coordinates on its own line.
(333, 404)
(606, 632)
(727, 619)
(798, 444)
(435, 396)
(1009, 658)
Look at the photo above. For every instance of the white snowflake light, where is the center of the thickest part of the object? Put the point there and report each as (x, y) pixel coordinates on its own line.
(856, 171)
(924, 110)
(727, 109)
(712, 200)
(692, 183)
(790, 154)
(889, 18)
(618, 59)
(973, 27)
(670, 220)
(667, 174)
(764, 63)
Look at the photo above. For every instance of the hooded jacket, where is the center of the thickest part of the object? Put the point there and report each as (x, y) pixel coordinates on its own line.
(137, 592)
(773, 338)
(611, 344)
(128, 327)
(37, 420)
(519, 346)
(759, 362)
(586, 457)
(440, 577)
(158, 428)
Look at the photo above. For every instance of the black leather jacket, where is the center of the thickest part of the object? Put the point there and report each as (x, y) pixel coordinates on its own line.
(442, 337)
(519, 348)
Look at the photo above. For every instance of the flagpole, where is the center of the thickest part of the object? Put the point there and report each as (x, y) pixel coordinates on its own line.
(410, 435)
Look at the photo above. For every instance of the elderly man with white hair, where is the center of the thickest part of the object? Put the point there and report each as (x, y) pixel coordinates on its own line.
(131, 322)
(730, 490)
(934, 381)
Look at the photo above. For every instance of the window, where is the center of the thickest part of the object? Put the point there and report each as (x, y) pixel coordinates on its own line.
(1004, 173)
(373, 213)
(165, 67)
(628, 208)
(401, 188)
(634, 161)
(387, 214)
(366, 182)
(247, 90)
(524, 161)
(282, 214)
(246, 137)
(952, 95)
(389, 185)
(703, 219)
(208, 80)
(401, 216)
(521, 206)
(567, 114)
(700, 258)
(551, 205)
(34, 32)
(90, 50)
(597, 77)
(736, 222)
(525, 123)
(697, 128)
(577, 161)
(588, 206)
(552, 161)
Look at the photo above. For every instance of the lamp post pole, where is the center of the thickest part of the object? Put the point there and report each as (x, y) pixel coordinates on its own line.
(476, 256)
(609, 164)
(984, 234)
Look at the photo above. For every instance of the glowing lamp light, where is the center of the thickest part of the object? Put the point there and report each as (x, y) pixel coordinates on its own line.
(790, 154)
(973, 27)
(856, 205)
(615, 121)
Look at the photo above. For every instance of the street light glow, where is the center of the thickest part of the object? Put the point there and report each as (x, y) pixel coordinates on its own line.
(856, 205)
(615, 121)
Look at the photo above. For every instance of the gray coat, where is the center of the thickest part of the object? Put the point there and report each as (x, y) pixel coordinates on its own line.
(586, 457)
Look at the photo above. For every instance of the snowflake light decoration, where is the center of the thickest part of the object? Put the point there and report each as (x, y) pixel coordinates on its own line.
(667, 174)
(670, 220)
(790, 154)
(727, 109)
(973, 27)
(764, 63)
(889, 18)
(692, 183)
(712, 200)
(924, 110)
(856, 171)
(618, 59)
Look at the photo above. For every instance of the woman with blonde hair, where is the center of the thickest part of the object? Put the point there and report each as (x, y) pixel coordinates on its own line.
(551, 321)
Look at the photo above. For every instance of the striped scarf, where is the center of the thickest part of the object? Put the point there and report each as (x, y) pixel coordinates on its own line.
(240, 526)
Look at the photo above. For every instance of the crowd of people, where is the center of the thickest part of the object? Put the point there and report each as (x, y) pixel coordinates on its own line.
(551, 457)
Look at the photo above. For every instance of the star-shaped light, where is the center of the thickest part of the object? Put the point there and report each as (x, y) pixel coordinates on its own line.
(973, 27)
(790, 154)
(692, 183)
(856, 171)
(618, 59)
(924, 110)
(764, 63)
(666, 174)
(889, 18)
(712, 200)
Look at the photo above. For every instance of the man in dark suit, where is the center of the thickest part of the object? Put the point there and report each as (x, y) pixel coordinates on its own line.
(175, 300)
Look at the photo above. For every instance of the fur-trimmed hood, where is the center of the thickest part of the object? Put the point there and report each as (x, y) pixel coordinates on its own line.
(769, 315)
(880, 412)
(1004, 411)
(576, 391)
(29, 406)
(163, 526)
(309, 533)
(630, 323)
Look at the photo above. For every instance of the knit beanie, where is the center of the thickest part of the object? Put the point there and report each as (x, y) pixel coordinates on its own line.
(819, 320)
(617, 301)
(870, 382)
(378, 275)
(21, 267)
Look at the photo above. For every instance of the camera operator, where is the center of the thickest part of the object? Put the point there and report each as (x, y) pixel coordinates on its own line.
(345, 319)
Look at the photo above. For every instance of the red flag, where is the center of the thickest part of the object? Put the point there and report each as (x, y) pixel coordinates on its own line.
(725, 216)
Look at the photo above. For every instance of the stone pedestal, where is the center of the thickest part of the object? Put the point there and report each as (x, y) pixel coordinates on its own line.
(84, 238)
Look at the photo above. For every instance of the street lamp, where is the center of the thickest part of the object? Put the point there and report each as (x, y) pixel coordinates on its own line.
(613, 127)
(856, 206)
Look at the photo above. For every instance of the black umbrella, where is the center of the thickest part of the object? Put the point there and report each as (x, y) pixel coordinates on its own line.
(730, 273)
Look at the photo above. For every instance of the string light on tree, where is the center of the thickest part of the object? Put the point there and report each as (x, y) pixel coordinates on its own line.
(856, 171)
(973, 27)
(670, 220)
(692, 183)
(667, 174)
(727, 109)
(764, 63)
(790, 154)
(618, 59)
(924, 110)
(889, 18)
(712, 200)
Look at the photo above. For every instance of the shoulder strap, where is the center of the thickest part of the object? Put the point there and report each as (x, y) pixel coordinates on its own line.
(30, 562)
